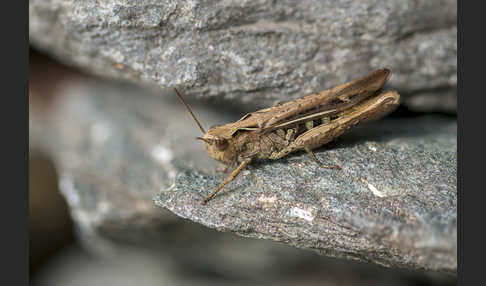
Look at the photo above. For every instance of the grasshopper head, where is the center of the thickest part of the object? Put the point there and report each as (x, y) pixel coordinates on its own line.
(219, 147)
(218, 140)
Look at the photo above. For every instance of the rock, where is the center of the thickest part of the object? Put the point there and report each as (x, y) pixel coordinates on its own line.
(393, 203)
(255, 52)
(430, 102)
(75, 267)
(114, 152)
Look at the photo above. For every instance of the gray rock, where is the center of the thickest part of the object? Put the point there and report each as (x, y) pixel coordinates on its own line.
(428, 101)
(255, 52)
(114, 152)
(75, 267)
(393, 203)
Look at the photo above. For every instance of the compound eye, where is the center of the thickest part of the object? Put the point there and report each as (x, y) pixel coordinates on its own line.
(221, 144)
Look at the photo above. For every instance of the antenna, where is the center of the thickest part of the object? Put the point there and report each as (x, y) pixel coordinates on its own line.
(190, 111)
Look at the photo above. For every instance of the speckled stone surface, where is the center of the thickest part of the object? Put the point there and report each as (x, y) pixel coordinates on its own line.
(257, 51)
(393, 202)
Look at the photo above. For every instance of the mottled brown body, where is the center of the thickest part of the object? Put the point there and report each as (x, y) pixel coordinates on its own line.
(302, 124)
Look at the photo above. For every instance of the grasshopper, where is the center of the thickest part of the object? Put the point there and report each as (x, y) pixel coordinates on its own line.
(302, 124)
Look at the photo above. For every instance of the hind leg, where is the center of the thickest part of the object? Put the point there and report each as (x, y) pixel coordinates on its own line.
(313, 156)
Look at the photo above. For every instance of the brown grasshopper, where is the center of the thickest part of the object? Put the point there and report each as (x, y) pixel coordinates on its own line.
(302, 124)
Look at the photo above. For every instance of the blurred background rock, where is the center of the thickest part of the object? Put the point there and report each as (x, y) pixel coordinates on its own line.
(50, 225)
